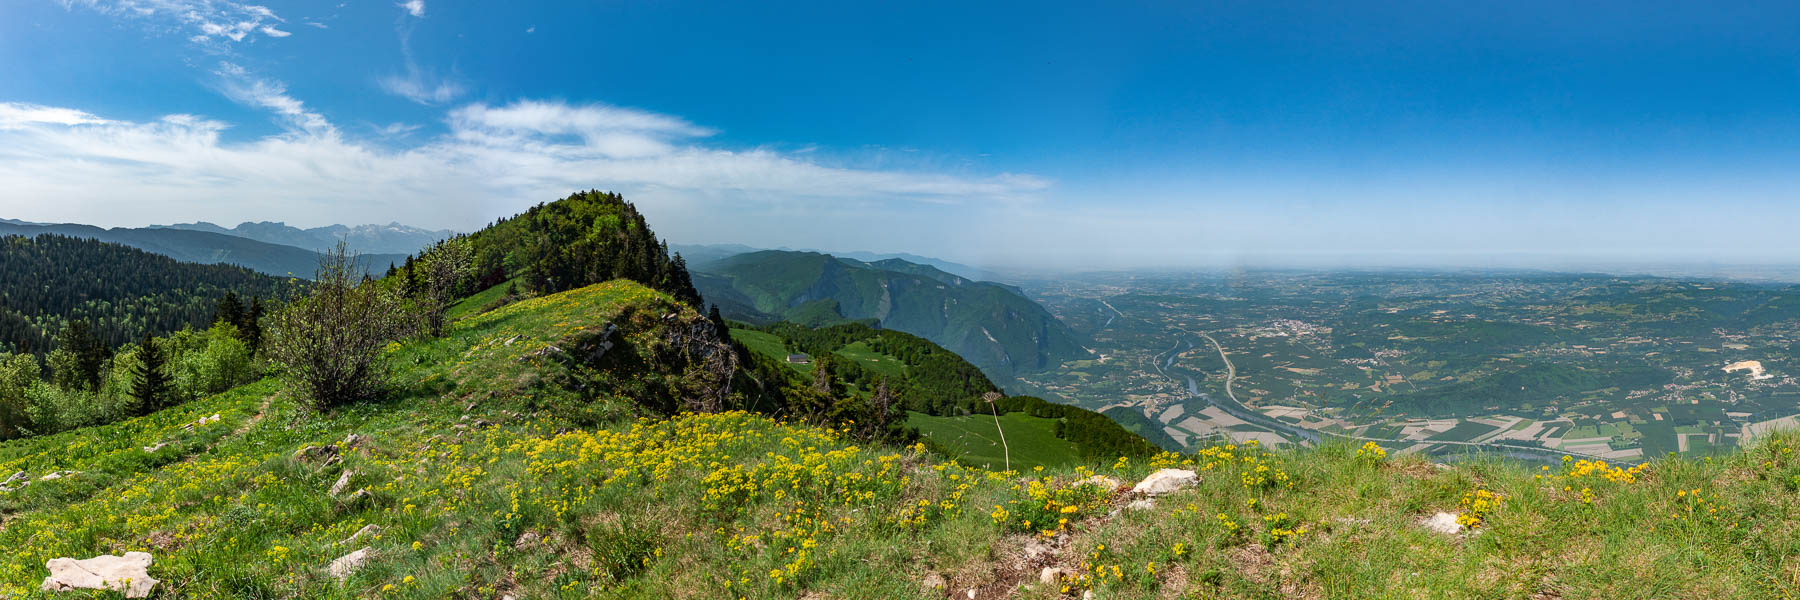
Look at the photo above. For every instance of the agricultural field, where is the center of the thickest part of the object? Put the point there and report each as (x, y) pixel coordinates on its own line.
(1619, 368)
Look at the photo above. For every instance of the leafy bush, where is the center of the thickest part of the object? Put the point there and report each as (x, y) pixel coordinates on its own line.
(208, 362)
(330, 342)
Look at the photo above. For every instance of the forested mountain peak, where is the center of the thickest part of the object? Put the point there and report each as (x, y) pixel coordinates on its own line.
(992, 325)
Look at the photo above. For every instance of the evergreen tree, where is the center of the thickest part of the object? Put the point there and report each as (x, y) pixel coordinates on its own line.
(718, 319)
(149, 382)
(85, 357)
(231, 310)
(251, 329)
(410, 285)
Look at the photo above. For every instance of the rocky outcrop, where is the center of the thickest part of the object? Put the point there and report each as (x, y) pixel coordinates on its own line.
(709, 359)
(128, 574)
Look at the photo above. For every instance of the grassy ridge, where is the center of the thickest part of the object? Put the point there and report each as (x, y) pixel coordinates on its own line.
(515, 495)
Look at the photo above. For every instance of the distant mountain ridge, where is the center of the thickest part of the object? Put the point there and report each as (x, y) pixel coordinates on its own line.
(203, 247)
(700, 254)
(991, 325)
(392, 238)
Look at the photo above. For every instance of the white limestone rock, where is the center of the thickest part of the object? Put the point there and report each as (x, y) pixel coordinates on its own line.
(1102, 482)
(128, 574)
(1166, 481)
(368, 531)
(345, 566)
(343, 482)
(59, 475)
(1442, 522)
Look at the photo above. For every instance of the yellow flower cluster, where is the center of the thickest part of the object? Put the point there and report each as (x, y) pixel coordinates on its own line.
(1256, 467)
(1476, 506)
(1047, 507)
(1599, 469)
(1371, 452)
(1280, 530)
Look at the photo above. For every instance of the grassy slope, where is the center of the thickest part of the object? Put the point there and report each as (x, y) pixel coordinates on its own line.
(882, 364)
(474, 304)
(737, 505)
(1032, 440)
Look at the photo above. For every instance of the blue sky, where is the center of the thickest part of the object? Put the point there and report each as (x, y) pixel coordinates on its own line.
(1036, 134)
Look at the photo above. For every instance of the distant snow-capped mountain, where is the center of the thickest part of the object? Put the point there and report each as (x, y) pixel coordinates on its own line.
(392, 238)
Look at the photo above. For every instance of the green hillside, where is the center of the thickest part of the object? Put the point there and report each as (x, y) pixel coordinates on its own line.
(991, 325)
(945, 392)
(490, 473)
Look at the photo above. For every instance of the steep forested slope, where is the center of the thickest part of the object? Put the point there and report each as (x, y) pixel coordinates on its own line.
(928, 380)
(119, 292)
(990, 325)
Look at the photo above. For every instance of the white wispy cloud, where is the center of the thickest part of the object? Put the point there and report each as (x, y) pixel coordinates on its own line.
(241, 86)
(21, 115)
(491, 160)
(419, 84)
(210, 22)
(421, 88)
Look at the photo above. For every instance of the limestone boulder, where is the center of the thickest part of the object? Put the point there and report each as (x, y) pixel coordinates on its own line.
(128, 574)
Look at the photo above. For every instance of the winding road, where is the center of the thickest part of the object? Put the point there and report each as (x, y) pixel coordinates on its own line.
(1237, 409)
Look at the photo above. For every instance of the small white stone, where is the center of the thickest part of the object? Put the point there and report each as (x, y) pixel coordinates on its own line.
(58, 475)
(1166, 481)
(1443, 522)
(349, 564)
(369, 530)
(343, 482)
(1101, 481)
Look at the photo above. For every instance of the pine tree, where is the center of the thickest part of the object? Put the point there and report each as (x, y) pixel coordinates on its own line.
(231, 310)
(718, 319)
(410, 285)
(251, 329)
(149, 384)
(87, 357)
